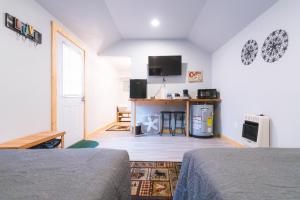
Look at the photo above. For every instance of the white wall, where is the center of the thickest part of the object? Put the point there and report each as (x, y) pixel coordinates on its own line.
(102, 92)
(139, 50)
(123, 98)
(269, 88)
(122, 66)
(24, 73)
(124, 79)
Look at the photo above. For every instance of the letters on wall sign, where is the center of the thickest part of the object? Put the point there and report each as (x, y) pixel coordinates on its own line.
(195, 76)
(22, 28)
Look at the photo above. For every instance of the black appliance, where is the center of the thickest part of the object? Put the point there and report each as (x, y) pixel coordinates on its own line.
(177, 95)
(138, 88)
(138, 130)
(207, 94)
(164, 65)
(186, 93)
(250, 130)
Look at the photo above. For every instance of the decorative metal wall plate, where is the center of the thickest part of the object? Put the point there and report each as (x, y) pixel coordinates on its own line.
(249, 52)
(275, 46)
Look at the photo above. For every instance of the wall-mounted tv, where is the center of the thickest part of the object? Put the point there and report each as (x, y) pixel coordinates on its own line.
(164, 65)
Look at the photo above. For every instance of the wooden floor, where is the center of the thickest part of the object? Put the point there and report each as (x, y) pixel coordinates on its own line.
(156, 148)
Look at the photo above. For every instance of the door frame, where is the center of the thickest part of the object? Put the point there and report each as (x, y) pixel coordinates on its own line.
(55, 30)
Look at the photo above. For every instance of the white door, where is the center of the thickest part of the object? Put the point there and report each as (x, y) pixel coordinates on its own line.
(70, 91)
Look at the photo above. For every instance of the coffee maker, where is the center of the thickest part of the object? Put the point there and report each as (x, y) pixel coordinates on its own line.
(186, 94)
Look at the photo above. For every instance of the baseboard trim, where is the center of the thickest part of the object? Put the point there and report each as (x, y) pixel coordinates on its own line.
(97, 132)
(231, 141)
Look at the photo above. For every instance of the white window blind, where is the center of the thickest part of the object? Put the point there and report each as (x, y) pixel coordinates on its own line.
(73, 66)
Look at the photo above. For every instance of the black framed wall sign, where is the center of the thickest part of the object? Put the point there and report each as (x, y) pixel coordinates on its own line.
(23, 29)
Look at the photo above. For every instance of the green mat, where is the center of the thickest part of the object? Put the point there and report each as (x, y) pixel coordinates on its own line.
(84, 144)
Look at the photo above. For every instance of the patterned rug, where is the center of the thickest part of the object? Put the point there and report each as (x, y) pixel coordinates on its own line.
(119, 128)
(154, 180)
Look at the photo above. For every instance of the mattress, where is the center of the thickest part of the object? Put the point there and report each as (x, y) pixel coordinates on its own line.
(240, 174)
(75, 174)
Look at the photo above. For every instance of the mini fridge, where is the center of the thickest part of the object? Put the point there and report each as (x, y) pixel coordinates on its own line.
(201, 120)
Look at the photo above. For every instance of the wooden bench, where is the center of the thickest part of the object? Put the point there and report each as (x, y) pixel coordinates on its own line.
(33, 140)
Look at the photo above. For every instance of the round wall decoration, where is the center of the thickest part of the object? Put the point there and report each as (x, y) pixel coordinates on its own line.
(249, 52)
(275, 46)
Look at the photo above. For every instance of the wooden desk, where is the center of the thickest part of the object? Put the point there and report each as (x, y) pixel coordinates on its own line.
(33, 140)
(185, 102)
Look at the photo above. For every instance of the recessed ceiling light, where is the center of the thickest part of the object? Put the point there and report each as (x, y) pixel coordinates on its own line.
(155, 22)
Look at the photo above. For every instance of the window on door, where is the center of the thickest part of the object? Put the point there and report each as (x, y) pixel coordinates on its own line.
(72, 74)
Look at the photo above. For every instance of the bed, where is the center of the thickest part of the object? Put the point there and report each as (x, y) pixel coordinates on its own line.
(239, 174)
(75, 174)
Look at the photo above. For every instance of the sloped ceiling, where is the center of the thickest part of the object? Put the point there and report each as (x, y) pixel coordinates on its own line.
(207, 23)
(220, 20)
(90, 20)
(132, 17)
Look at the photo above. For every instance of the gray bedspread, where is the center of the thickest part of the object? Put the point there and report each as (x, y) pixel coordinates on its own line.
(240, 174)
(71, 174)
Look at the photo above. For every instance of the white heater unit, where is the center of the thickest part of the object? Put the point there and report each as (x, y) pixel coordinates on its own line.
(256, 131)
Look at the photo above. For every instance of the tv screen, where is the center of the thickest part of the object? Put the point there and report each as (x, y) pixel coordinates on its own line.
(164, 65)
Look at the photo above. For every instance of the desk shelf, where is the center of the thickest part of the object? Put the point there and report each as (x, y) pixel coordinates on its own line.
(185, 102)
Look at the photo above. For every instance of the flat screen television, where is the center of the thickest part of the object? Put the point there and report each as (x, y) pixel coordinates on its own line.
(164, 65)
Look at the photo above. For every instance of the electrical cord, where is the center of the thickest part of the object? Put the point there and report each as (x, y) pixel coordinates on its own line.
(162, 84)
